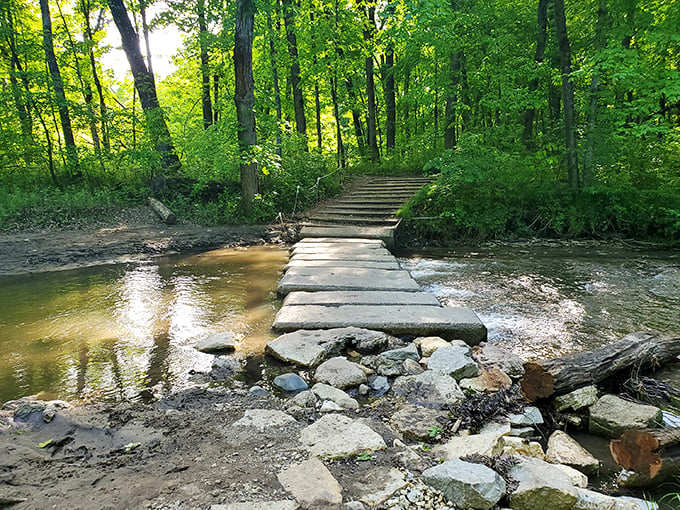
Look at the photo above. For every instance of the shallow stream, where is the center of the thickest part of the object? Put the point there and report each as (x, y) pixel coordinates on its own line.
(108, 332)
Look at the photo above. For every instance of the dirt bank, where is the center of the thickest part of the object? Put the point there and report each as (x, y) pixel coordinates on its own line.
(130, 234)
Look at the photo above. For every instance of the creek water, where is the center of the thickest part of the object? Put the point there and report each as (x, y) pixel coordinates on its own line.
(542, 301)
(109, 332)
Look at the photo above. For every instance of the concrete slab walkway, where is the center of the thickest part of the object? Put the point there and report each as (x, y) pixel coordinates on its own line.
(358, 282)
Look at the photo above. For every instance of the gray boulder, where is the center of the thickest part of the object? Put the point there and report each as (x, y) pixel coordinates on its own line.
(379, 384)
(335, 436)
(224, 368)
(409, 351)
(563, 449)
(383, 366)
(340, 372)
(577, 399)
(416, 422)
(465, 484)
(490, 355)
(309, 348)
(610, 416)
(290, 382)
(453, 360)
(529, 417)
(429, 389)
(541, 486)
(262, 419)
(329, 393)
(312, 485)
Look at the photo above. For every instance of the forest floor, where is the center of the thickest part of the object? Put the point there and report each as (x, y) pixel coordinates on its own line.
(129, 234)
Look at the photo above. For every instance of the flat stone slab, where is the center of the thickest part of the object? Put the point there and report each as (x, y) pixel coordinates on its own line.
(366, 264)
(349, 268)
(337, 298)
(448, 323)
(311, 484)
(335, 240)
(385, 234)
(375, 257)
(340, 248)
(358, 279)
(335, 436)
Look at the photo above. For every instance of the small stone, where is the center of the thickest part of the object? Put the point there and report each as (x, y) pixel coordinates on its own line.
(429, 389)
(290, 382)
(258, 391)
(379, 485)
(364, 390)
(305, 398)
(218, 342)
(416, 423)
(225, 368)
(329, 393)
(411, 367)
(383, 366)
(490, 355)
(379, 384)
(340, 372)
(512, 445)
(577, 399)
(429, 344)
(591, 500)
(489, 380)
(329, 406)
(531, 416)
(474, 444)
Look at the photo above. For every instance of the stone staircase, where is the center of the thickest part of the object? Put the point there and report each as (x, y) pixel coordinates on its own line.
(367, 212)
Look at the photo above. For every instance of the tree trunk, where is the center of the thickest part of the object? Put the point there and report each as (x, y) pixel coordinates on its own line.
(147, 43)
(58, 85)
(275, 80)
(594, 84)
(356, 117)
(87, 33)
(541, 38)
(567, 94)
(390, 101)
(216, 97)
(244, 98)
(338, 127)
(452, 100)
(205, 69)
(652, 453)
(146, 88)
(543, 379)
(371, 121)
(298, 99)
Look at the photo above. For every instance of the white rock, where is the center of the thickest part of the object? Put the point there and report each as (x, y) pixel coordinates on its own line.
(337, 396)
(336, 436)
(542, 486)
(262, 419)
(311, 484)
(475, 444)
(531, 416)
(563, 449)
(340, 372)
(218, 342)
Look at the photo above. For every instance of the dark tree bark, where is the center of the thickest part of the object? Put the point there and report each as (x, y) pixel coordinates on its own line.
(338, 127)
(541, 38)
(244, 98)
(356, 117)
(452, 100)
(371, 115)
(567, 94)
(58, 85)
(89, 39)
(216, 97)
(594, 86)
(543, 379)
(275, 80)
(298, 99)
(206, 102)
(390, 100)
(146, 88)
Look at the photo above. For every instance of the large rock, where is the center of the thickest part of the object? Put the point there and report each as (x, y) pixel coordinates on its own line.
(217, 342)
(563, 449)
(340, 373)
(262, 419)
(453, 360)
(409, 351)
(490, 355)
(335, 395)
(312, 485)
(416, 422)
(429, 389)
(309, 348)
(591, 500)
(465, 484)
(336, 436)
(541, 486)
(489, 380)
(429, 344)
(577, 399)
(474, 444)
(611, 416)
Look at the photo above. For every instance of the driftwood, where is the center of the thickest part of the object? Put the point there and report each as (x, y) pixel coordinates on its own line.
(639, 350)
(653, 453)
(162, 211)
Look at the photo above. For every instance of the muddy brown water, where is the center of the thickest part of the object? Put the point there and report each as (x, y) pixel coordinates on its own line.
(110, 331)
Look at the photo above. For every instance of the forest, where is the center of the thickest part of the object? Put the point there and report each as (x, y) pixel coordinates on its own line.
(534, 117)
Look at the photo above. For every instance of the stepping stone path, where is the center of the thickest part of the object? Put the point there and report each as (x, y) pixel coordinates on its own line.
(339, 283)
(366, 212)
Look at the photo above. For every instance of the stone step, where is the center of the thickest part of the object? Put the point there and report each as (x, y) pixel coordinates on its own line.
(386, 234)
(358, 208)
(320, 219)
(368, 264)
(330, 248)
(448, 323)
(344, 256)
(334, 240)
(351, 279)
(348, 211)
(338, 298)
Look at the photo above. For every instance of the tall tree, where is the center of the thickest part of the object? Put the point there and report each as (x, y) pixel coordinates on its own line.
(541, 38)
(58, 86)
(206, 102)
(146, 88)
(371, 111)
(390, 100)
(244, 98)
(298, 98)
(567, 93)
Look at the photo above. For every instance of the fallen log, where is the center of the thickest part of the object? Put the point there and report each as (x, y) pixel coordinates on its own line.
(543, 379)
(163, 212)
(652, 453)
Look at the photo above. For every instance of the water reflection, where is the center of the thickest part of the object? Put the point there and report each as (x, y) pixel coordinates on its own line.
(543, 302)
(109, 332)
